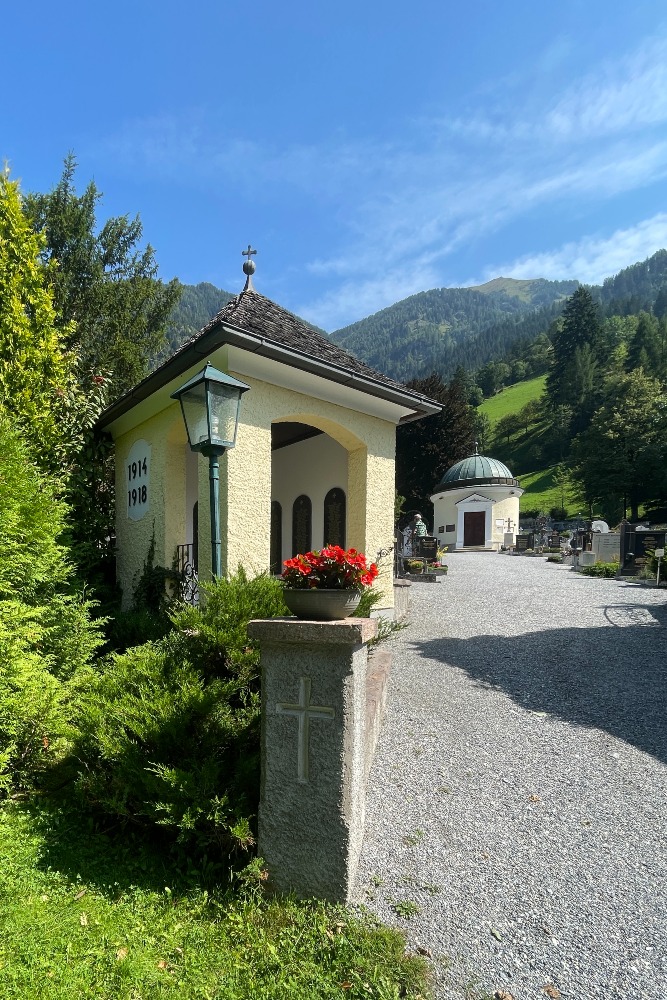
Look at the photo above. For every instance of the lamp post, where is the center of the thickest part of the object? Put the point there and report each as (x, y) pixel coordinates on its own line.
(210, 403)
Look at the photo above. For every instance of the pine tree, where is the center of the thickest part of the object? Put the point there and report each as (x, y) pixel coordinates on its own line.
(644, 349)
(426, 449)
(580, 326)
(102, 280)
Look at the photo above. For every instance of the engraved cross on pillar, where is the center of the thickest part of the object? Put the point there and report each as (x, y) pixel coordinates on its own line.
(304, 711)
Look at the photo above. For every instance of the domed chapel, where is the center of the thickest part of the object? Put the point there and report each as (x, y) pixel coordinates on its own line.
(476, 505)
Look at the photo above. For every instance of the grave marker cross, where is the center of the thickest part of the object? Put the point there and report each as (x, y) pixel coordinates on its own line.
(303, 712)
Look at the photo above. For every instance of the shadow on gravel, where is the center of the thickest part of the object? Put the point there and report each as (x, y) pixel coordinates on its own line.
(614, 678)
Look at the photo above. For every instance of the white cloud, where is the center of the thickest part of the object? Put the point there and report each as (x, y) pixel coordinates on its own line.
(591, 259)
(627, 95)
(395, 210)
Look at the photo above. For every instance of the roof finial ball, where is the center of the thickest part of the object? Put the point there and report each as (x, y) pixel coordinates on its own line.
(249, 268)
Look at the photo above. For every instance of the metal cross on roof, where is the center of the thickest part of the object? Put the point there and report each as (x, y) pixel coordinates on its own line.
(248, 267)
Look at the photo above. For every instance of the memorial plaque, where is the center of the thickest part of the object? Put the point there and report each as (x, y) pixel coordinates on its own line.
(523, 542)
(302, 525)
(334, 518)
(138, 467)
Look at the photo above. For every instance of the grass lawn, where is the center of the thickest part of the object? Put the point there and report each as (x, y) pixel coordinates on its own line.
(513, 398)
(85, 915)
(541, 490)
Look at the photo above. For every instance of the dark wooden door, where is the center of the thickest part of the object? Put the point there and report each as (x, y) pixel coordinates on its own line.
(474, 527)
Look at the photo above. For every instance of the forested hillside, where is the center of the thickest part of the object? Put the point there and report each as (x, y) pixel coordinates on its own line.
(196, 306)
(477, 328)
(445, 328)
(635, 288)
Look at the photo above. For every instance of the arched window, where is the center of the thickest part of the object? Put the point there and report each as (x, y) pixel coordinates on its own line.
(334, 517)
(302, 524)
(276, 557)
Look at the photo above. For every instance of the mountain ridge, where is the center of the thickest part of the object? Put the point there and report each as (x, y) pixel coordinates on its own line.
(446, 328)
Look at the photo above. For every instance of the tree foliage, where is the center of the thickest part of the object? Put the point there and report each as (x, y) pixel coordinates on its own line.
(111, 305)
(571, 377)
(623, 453)
(39, 378)
(426, 449)
(46, 635)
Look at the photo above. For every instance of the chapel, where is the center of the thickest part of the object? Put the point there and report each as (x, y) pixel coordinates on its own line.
(312, 463)
(476, 505)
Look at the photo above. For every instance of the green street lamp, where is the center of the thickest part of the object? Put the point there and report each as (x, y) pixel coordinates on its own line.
(210, 403)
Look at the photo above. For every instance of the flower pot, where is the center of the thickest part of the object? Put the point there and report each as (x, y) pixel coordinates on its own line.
(322, 605)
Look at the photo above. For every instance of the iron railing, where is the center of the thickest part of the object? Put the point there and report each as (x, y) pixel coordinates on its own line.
(187, 571)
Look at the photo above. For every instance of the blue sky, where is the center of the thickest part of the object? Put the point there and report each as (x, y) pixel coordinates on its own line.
(368, 151)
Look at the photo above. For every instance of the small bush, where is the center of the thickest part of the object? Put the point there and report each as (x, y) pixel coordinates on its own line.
(608, 570)
(414, 566)
(554, 559)
(46, 634)
(168, 735)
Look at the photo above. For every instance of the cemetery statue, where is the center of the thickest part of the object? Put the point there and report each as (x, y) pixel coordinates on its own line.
(418, 527)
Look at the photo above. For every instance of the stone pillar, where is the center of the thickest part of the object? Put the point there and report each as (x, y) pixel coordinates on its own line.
(312, 798)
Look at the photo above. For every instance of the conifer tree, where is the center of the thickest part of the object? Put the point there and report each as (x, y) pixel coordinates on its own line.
(103, 281)
(580, 326)
(39, 386)
(644, 349)
(426, 449)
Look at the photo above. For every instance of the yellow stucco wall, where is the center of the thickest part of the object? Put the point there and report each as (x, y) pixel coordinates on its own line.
(165, 436)
(245, 484)
(370, 443)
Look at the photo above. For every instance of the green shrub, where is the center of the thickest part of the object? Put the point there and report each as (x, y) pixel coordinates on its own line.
(554, 559)
(46, 635)
(609, 569)
(168, 735)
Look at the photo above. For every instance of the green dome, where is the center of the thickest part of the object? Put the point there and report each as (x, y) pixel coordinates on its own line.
(476, 470)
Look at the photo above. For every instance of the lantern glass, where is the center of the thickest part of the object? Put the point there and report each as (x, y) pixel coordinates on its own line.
(210, 403)
(223, 413)
(195, 415)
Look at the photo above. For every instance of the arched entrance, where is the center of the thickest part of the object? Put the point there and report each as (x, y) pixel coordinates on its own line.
(310, 486)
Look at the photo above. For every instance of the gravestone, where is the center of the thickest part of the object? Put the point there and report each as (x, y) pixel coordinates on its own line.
(607, 547)
(635, 540)
(524, 542)
(554, 540)
(427, 547)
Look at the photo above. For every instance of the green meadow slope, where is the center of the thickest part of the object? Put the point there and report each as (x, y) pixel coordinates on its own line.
(521, 452)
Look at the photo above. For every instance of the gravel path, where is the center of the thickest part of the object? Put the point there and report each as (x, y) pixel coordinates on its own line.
(518, 794)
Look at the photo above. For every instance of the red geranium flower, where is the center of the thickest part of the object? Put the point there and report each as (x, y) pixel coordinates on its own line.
(330, 568)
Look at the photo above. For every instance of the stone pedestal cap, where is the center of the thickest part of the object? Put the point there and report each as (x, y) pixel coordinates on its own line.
(346, 632)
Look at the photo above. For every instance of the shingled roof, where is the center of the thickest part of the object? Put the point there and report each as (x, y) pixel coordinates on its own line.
(254, 323)
(256, 314)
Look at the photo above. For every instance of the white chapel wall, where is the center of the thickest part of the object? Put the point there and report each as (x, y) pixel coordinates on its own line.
(311, 467)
